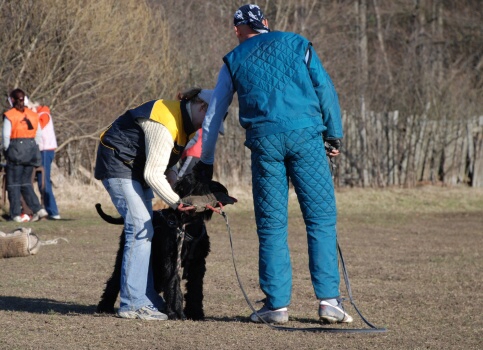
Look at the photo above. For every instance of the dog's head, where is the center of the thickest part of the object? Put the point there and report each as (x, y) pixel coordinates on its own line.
(189, 186)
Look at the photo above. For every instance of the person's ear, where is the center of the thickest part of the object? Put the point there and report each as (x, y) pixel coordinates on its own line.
(10, 102)
(265, 22)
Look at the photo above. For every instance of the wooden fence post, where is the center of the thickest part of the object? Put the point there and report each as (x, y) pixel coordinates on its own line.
(477, 178)
(379, 150)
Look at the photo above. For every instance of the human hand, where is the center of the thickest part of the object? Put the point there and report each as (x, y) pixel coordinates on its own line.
(332, 147)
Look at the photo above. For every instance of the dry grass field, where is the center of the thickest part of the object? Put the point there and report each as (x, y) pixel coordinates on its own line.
(414, 259)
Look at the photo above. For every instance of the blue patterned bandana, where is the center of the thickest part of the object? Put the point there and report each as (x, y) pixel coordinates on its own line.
(251, 15)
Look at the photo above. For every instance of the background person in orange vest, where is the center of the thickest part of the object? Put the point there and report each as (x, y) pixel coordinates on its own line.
(21, 135)
(47, 145)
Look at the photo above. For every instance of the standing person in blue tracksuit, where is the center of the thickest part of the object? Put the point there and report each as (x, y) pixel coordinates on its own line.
(289, 108)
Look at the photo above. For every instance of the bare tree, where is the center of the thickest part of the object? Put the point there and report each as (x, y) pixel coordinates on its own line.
(88, 60)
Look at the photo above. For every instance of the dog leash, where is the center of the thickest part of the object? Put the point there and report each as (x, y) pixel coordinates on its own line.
(172, 222)
(181, 234)
(371, 329)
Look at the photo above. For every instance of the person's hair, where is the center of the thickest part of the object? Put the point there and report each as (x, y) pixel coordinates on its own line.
(14, 93)
(13, 99)
(190, 94)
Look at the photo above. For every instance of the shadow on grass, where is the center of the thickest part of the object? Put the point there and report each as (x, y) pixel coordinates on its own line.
(305, 325)
(246, 319)
(43, 306)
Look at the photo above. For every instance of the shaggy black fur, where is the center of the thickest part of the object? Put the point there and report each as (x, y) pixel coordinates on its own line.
(164, 251)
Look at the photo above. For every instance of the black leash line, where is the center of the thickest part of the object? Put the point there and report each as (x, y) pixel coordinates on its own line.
(372, 329)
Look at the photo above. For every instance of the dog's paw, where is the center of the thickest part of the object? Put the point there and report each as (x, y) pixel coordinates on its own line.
(176, 316)
(105, 309)
(171, 315)
(195, 316)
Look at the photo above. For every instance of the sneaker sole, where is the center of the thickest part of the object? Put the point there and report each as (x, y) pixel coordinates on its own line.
(133, 315)
(329, 320)
(127, 314)
(332, 320)
(153, 318)
(269, 319)
(330, 314)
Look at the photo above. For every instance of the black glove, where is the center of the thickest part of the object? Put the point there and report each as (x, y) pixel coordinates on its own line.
(200, 203)
(332, 144)
(203, 172)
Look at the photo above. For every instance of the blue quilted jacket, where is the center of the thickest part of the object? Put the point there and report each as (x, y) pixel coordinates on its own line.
(277, 91)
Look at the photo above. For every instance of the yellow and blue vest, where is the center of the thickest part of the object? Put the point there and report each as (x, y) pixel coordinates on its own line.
(122, 150)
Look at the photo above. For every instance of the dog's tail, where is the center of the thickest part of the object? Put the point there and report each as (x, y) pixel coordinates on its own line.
(109, 218)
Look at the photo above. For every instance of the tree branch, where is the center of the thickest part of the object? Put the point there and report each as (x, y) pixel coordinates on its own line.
(92, 136)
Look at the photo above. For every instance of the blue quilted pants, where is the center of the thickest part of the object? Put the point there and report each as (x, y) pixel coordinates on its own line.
(300, 155)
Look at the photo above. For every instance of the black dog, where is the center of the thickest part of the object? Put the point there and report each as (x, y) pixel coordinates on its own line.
(164, 253)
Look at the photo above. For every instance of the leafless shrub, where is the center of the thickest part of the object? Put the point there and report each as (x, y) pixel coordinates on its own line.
(89, 60)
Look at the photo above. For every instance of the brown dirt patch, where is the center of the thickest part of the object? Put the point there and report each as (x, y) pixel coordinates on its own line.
(416, 272)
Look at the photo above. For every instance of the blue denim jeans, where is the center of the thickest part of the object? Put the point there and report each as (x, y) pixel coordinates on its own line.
(19, 184)
(133, 202)
(49, 199)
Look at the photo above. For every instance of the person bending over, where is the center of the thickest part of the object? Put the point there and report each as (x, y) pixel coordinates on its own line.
(134, 153)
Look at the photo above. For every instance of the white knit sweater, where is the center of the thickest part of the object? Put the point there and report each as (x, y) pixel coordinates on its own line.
(159, 144)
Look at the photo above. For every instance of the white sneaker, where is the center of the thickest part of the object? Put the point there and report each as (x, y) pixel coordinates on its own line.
(42, 213)
(17, 219)
(270, 316)
(54, 217)
(329, 313)
(149, 313)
